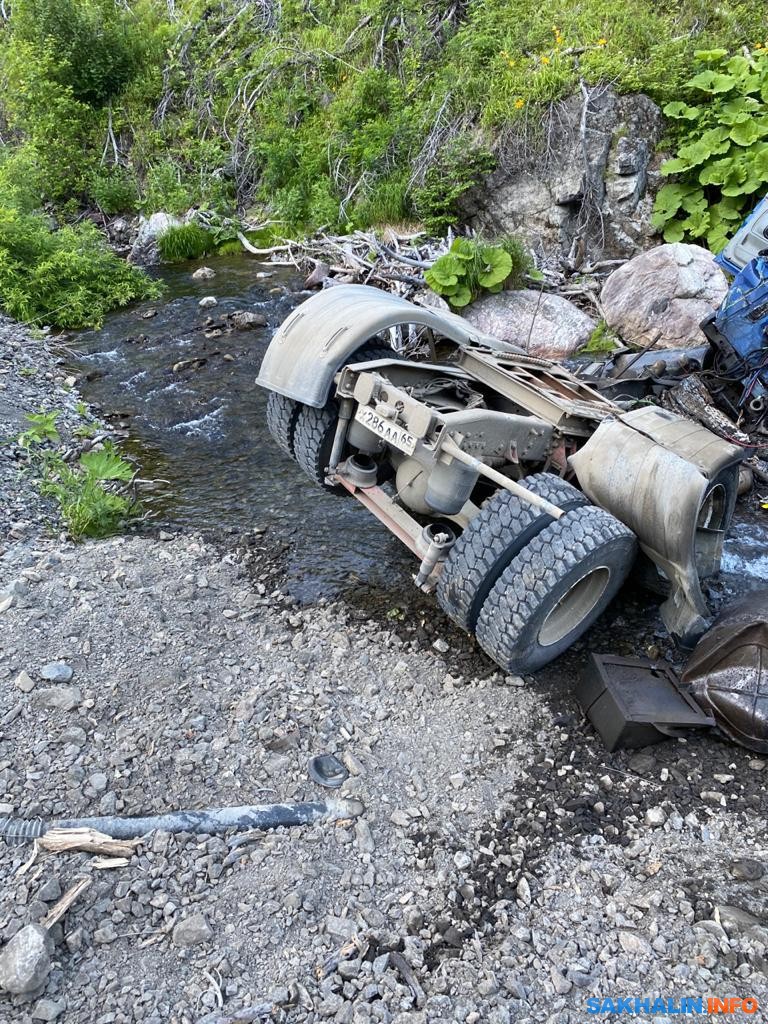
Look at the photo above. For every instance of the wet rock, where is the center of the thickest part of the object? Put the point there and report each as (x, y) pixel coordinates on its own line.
(144, 251)
(208, 301)
(665, 293)
(540, 323)
(57, 672)
(26, 961)
(316, 277)
(245, 320)
(192, 931)
(203, 274)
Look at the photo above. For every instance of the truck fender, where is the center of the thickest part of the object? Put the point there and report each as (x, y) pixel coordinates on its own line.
(673, 483)
(318, 337)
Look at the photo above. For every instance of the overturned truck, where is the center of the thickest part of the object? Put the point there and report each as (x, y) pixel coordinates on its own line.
(526, 495)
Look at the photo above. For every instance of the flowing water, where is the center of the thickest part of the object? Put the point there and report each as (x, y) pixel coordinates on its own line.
(202, 428)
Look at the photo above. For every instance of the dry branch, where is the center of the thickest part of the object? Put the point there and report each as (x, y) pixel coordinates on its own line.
(86, 840)
(58, 910)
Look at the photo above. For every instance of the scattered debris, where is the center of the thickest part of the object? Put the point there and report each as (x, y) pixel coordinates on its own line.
(62, 906)
(327, 770)
(633, 702)
(728, 672)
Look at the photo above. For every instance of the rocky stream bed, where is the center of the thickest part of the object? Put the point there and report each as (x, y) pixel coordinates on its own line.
(505, 867)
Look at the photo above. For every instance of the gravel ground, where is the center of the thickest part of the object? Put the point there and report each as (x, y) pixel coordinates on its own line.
(504, 868)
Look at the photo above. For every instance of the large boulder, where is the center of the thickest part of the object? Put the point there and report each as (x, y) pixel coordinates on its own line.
(666, 292)
(144, 251)
(586, 188)
(542, 324)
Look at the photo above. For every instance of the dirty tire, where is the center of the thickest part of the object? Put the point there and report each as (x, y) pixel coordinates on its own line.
(554, 590)
(313, 441)
(282, 413)
(504, 525)
(315, 429)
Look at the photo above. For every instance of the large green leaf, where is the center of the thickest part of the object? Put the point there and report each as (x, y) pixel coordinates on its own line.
(710, 56)
(717, 172)
(496, 266)
(106, 465)
(712, 82)
(462, 297)
(745, 133)
(463, 249)
(679, 109)
(445, 273)
(674, 232)
(669, 200)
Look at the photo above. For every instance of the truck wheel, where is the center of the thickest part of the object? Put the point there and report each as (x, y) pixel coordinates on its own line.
(502, 528)
(315, 429)
(281, 420)
(554, 590)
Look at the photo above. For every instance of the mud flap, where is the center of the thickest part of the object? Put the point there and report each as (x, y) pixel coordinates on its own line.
(673, 483)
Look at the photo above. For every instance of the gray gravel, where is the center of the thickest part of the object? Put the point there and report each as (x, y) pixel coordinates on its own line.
(505, 867)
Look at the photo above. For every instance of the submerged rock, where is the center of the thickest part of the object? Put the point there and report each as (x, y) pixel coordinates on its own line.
(245, 320)
(666, 291)
(540, 323)
(203, 274)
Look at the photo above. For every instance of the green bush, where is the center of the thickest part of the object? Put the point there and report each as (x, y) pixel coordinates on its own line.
(114, 190)
(187, 242)
(471, 266)
(722, 155)
(67, 278)
(98, 44)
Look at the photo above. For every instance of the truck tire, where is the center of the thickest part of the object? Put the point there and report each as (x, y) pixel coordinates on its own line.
(500, 531)
(315, 428)
(282, 413)
(554, 590)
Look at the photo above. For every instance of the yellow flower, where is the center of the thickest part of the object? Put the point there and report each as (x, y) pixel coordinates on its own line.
(519, 104)
(511, 63)
(545, 60)
(602, 42)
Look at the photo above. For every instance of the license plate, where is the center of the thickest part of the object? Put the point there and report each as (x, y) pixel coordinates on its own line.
(386, 430)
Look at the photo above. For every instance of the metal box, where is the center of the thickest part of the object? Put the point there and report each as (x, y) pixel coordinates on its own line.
(633, 702)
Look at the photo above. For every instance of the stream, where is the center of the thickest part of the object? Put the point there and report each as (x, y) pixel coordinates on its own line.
(201, 428)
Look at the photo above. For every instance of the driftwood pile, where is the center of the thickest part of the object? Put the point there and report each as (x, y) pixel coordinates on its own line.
(397, 261)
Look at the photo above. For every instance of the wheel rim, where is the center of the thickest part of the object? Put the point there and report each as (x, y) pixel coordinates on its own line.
(574, 606)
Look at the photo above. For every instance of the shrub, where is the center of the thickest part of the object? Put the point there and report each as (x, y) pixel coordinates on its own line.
(722, 156)
(67, 278)
(187, 242)
(114, 191)
(89, 493)
(472, 265)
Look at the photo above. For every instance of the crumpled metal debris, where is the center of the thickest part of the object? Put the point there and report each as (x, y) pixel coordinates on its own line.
(728, 672)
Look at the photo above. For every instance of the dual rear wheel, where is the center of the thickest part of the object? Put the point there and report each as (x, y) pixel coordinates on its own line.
(529, 585)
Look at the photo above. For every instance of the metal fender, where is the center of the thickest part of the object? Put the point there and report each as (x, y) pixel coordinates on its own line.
(673, 483)
(319, 335)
